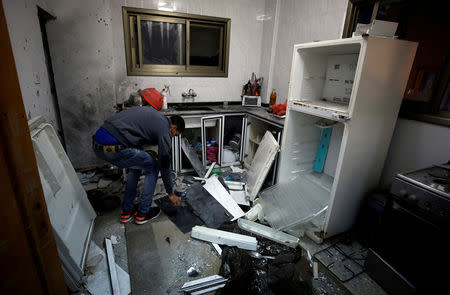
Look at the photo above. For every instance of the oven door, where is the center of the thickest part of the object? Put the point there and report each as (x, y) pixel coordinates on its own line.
(414, 246)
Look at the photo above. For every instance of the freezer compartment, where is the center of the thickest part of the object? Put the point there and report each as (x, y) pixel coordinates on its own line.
(322, 79)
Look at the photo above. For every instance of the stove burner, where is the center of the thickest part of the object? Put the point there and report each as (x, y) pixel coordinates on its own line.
(443, 174)
(442, 181)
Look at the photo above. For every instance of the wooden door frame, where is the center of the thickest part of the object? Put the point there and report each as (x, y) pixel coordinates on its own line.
(30, 261)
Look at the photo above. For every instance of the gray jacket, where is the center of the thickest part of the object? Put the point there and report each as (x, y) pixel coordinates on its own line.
(138, 126)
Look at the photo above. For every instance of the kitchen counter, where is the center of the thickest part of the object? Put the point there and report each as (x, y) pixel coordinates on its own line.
(258, 112)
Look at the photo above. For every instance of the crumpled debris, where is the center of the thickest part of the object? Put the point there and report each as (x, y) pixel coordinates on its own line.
(86, 177)
(192, 272)
(248, 275)
(114, 240)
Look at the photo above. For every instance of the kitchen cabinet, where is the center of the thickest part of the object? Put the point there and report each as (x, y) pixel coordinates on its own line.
(231, 132)
(226, 129)
(193, 133)
(343, 101)
(233, 139)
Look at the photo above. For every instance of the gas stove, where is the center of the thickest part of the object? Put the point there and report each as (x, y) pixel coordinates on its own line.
(426, 189)
(414, 232)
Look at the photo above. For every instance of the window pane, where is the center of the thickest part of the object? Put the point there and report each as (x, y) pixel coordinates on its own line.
(163, 43)
(204, 46)
(136, 43)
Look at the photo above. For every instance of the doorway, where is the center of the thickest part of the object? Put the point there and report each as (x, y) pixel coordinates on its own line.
(45, 17)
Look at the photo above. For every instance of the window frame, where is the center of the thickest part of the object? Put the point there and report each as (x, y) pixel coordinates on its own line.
(421, 111)
(133, 55)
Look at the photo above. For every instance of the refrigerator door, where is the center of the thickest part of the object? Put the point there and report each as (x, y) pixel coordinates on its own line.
(71, 214)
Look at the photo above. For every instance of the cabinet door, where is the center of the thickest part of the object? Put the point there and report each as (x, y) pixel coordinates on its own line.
(192, 133)
(275, 162)
(243, 139)
(233, 134)
(176, 153)
(212, 128)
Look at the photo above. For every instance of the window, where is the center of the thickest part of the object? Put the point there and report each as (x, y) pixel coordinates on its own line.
(160, 43)
(427, 93)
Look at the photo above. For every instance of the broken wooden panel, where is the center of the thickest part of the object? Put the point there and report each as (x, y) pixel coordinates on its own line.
(224, 238)
(261, 163)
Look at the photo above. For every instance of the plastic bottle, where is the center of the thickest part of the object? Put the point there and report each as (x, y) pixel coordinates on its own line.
(164, 93)
(273, 97)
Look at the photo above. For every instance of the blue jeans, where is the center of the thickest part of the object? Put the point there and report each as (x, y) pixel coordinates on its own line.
(136, 161)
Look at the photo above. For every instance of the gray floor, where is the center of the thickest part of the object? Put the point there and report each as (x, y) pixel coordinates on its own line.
(107, 225)
(157, 267)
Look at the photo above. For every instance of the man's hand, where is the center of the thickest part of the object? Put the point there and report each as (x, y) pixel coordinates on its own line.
(174, 199)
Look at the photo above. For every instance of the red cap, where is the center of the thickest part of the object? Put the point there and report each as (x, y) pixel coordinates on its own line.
(153, 97)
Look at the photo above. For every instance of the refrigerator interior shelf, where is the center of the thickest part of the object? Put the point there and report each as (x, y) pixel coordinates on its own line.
(322, 108)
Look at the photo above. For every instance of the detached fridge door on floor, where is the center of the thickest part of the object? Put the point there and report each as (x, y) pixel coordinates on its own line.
(71, 214)
(212, 130)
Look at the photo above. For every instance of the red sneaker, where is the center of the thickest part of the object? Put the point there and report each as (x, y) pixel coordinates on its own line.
(144, 218)
(126, 215)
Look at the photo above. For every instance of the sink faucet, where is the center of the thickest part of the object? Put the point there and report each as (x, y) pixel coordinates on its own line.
(190, 94)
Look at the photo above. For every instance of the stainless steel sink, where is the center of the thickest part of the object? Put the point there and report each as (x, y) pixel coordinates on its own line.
(191, 108)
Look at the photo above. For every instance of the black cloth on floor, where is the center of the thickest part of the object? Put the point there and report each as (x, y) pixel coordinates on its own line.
(182, 217)
(206, 207)
(253, 276)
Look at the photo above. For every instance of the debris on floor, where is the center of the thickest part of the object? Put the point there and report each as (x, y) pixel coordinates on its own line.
(224, 238)
(104, 187)
(112, 268)
(103, 183)
(182, 216)
(268, 233)
(98, 277)
(250, 275)
(204, 285)
(218, 191)
(192, 272)
(344, 259)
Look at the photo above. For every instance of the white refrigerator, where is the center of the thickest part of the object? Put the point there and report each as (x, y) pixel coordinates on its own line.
(343, 102)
